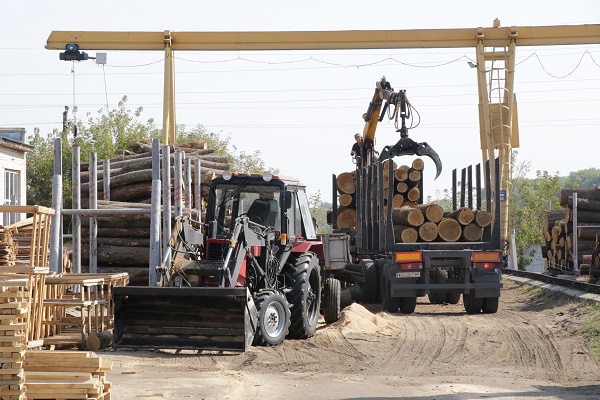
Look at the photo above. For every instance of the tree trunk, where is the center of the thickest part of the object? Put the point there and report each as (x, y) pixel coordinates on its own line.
(591, 194)
(587, 233)
(119, 232)
(124, 241)
(347, 218)
(449, 230)
(401, 173)
(585, 204)
(119, 256)
(397, 201)
(405, 234)
(345, 182)
(98, 340)
(414, 176)
(588, 216)
(418, 164)
(413, 194)
(432, 212)
(472, 233)
(428, 231)
(482, 218)
(463, 215)
(401, 187)
(346, 200)
(407, 216)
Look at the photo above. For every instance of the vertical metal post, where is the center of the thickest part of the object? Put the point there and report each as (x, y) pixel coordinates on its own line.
(57, 200)
(198, 186)
(93, 196)
(575, 251)
(166, 201)
(187, 183)
(155, 216)
(106, 179)
(177, 161)
(454, 186)
(76, 195)
(470, 186)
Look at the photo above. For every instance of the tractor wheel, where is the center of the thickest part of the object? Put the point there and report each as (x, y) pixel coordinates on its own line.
(388, 303)
(273, 318)
(438, 275)
(332, 300)
(304, 280)
(369, 271)
(453, 297)
(472, 304)
(408, 305)
(379, 264)
(490, 305)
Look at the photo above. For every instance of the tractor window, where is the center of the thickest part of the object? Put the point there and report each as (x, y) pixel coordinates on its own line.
(295, 218)
(309, 228)
(260, 203)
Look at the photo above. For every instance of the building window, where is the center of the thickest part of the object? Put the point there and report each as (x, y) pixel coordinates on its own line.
(11, 195)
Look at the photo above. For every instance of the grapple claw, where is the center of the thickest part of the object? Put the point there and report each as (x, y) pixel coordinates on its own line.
(408, 147)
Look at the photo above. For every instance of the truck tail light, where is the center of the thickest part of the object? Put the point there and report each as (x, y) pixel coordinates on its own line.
(410, 266)
(408, 257)
(486, 265)
(485, 257)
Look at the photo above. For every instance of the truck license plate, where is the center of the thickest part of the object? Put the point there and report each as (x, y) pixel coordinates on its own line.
(408, 274)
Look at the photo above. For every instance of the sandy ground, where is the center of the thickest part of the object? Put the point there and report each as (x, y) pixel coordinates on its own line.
(528, 350)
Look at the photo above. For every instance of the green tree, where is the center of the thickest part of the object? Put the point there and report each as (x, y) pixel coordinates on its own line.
(584, 178)
(318, 211)
(528, 204)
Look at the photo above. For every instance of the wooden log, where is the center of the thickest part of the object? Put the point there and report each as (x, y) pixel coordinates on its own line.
(401, 187)
(463, 215)
(588, 216)
(413, 194)
(397, 201)
(119, 256)
(418, 164)
(346, 199)
(414, 176)
(482, 218)
(585, 204)
(433, 212)
(472, 233)
(98, 340)
(407, 216)
(386, 167)
(405, 234)
(345, 182)
(401, 173)
(590, 233)
(591, 194)
(119, 232)
(123, 241)
(408, 203)
(428, 232)
(347, 218)
(449, 230)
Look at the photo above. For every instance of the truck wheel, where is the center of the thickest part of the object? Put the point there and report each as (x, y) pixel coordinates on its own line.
(438, 275)
(408, 305)
(490, 305)
(453, 297)
(273, 318)
(332, 300)
(388, 303)
(472, 304)
(369, 271)
(305, 295)
(379, 264)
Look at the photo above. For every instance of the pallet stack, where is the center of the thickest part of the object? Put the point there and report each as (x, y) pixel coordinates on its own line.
(558, 230)
(59, 374)
(14, 298)
(8, 249)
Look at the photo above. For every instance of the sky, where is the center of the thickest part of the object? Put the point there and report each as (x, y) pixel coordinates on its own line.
(302, 108)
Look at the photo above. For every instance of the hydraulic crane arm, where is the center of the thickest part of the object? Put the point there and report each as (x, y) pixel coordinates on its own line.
(382, 98)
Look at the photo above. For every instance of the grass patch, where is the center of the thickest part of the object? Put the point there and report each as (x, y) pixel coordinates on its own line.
(591, 328)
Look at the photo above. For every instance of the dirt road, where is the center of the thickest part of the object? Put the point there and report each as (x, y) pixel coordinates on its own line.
(529, 349)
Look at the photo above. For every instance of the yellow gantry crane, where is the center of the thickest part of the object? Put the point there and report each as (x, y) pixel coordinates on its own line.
(495, 48)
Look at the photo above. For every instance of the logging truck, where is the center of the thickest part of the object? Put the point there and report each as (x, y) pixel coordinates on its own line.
(401, 253)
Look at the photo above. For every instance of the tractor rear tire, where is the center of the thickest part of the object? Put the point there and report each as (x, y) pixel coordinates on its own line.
(408, 305)
(490, 305)
(472, 304)
(439, 275)
(304, 280)
(369, 271)
(388, 303)
(273, 312)
(332, 300)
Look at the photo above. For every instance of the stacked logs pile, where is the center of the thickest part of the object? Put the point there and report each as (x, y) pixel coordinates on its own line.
(406, 190)
(558, 230)
(123, 240)
(428, 222)
(8, 248)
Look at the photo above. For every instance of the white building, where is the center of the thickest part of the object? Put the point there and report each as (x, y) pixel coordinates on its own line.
(13, 186)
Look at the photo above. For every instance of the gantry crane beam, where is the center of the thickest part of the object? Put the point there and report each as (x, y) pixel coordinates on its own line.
(326, 40)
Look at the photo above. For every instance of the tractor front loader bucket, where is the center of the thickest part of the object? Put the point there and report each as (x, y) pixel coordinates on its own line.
(196, 318)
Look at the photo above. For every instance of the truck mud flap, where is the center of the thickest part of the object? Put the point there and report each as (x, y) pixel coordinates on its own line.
(206, 318)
